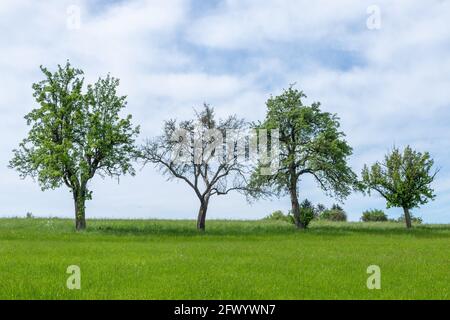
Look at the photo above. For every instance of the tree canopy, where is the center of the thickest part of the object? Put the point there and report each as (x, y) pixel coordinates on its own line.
(403, 179)
(75, 135)
(311, 143)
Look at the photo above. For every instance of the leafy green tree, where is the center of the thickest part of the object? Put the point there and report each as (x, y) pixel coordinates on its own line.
(336, 207)
(306, 212)
(403, 179)
(416, 220)
(75, 135)
(278, 215)
(319, 209)
(311, 143)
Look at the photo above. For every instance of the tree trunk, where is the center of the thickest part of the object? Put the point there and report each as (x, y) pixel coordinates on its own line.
(407, 218)
(202, 214)
(79, 197)
(295, 204)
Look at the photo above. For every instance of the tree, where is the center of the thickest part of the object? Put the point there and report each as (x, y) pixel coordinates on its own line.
(336, 207)
(307, 204)
(310, 144)
(374, 215)
(403, 179)
(75, 135)
(319, 209)
(203, 152)
(306, 212)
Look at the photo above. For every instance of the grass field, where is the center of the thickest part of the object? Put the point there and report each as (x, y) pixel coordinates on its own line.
(150, 259)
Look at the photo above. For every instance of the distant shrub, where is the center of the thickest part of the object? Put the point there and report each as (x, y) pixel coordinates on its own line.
(307, 212)
(306, 204)
(319, 209)
(336, 213)
(416, 220)
(336, 207)
(306, 215)
(278, 216)
(30, 215)
(374, 215)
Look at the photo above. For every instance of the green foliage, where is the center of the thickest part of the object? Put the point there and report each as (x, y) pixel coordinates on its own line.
(310, 143)
(403, 179)
(336, 213)
(306, 204)
(374, 215)
(278, 215)
(75, 135)
(307, 213)
(319, 209)
(416, 220)
(336, 207)
(190, 151)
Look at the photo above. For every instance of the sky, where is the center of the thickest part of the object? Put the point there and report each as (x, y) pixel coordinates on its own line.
(382, 66)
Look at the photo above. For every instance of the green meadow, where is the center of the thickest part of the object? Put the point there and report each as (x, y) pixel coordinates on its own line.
(161, 259)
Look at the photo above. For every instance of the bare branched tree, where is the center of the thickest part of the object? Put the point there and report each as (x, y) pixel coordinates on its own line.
(209, 155)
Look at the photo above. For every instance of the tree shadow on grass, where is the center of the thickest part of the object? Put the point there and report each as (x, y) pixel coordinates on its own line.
(188, 228)
(260, 229)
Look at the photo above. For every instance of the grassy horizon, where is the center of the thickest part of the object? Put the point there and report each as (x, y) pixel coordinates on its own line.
(170, 259)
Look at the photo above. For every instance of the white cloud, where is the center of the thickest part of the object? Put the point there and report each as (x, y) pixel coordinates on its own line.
(249, 24)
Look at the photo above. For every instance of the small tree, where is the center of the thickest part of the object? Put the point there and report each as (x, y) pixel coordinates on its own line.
(75, 135)
(306, 204)
(336, 207)
(310, 144)
(403, 179)
(336, 213)
(204, 153)
(416, 220)
(319, 209)
(306, 212)
(374, 215)
(278, 215)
